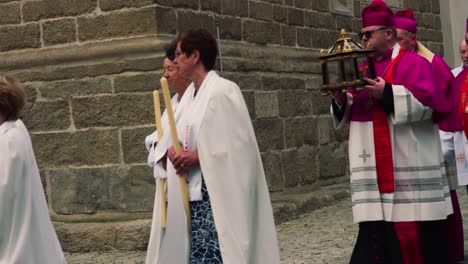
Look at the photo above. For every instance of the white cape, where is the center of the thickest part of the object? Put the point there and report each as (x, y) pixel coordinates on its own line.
(26, 232)
(158, 241)
(232, 168)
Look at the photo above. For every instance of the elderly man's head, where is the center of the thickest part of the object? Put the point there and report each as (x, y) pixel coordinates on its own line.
(464, 52)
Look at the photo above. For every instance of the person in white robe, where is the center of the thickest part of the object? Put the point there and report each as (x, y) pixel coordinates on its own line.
(157, 148)
(232, 218)
(27, 235)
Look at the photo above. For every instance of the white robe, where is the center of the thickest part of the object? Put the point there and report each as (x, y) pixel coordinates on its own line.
(26, 232)
(457, 71)
(421, 189)
(220, 125)
(455, 151)
(155, 156)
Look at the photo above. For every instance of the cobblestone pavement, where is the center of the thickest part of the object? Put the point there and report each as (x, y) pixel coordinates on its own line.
(323, 236)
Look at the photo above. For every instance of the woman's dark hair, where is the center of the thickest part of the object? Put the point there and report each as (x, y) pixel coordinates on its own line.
(170, 50)
(12, 97)
(203, 41)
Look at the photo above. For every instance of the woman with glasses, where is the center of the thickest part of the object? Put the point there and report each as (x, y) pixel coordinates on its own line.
(232, 221)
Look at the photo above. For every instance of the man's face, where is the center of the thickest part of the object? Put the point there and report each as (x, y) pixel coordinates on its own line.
(464, 53)
(406, 39)
(376, 36)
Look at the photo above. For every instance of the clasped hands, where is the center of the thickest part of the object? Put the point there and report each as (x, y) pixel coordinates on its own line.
(183, 161)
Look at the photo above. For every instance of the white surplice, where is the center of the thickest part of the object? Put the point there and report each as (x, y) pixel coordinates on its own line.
(156, 154)
(26, 232)
(421, 188)
(455, 150)
(218, 126)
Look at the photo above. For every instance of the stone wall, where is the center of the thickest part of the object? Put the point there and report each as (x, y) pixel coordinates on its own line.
(90, 66)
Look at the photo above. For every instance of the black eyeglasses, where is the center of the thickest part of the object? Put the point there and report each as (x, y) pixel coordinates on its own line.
(368, 34)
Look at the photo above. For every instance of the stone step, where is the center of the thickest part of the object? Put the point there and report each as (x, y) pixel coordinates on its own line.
(133, 235)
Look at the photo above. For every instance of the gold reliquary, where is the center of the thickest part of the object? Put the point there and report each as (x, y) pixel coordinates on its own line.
(345, 65)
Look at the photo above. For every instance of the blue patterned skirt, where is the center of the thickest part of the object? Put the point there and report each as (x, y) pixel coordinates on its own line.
(205, 244)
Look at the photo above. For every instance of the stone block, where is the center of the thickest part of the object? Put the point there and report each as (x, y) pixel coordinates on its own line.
(273, 170)
(61, 72)
(326, 130)
(435, 7)
(20, 37)
(137, 83)
(306, 4)
(245, 81)
(304, 37)
(76, 191)
(321, 5)
(10, 13)
(65, 89)
(235, 8)
(118, 24)
(295, 17)
(357, 8)
(118, 110)
(261, 32)
(324, 21)
(300, 131)
(211, 5)
(81, 148)
(44, 116)
(108, 5)
(323, 38)
(289, 162)
(345, 22)
(133, 144)
(282, 83)
(437, 23)
(145, 64)
(230, 28)
(193, 4)
(59, 31)
(132, 189)
(269, 133)
(31, 93)
(89, 190)
(333, 161)
(274, 1)
(294, 103)
(320, 104)
(288, 35)
(261, 11)
(36, 10)
(249, 97)
(192, 20)
(166, 20)
(307, 165)
(280, 14)
(266, 104)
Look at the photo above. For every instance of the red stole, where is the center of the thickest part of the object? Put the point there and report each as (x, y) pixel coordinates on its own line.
(464, 103)
(382, 141)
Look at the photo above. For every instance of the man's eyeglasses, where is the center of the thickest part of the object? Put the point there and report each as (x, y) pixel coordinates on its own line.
(368, 34)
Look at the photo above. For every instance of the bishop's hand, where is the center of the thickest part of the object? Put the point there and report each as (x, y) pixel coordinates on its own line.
(375, 87)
